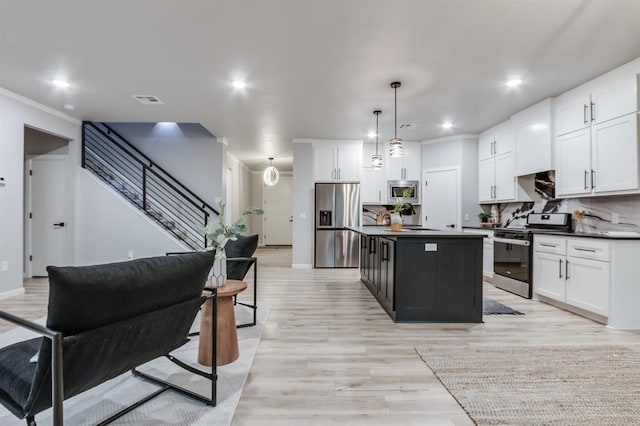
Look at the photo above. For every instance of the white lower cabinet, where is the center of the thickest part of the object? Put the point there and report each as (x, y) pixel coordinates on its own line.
(487, 250)
(574, 271)
(588, 285)
(548, 275)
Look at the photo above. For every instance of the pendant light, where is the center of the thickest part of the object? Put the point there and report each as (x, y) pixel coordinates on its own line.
(271, 174)
(395, 145)
(376, 159)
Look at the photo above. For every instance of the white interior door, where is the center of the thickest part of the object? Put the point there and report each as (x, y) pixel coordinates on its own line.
(48, 183)
(278, 210)
(440, 201)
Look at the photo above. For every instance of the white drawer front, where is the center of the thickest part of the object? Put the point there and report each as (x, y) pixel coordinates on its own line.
(550, 244)
(586, 248)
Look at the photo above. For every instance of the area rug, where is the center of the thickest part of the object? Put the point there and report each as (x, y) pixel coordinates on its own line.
(492, 307)
(97, 404)
(551, 385)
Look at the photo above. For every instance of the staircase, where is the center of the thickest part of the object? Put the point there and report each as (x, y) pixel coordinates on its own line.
(145, 185)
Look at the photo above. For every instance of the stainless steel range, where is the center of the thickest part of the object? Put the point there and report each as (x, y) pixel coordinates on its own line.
(513, 251)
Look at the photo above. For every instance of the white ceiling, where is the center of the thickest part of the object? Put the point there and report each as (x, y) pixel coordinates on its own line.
(315, 68)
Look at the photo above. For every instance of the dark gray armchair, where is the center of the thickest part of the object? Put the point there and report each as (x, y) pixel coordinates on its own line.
(103, 321)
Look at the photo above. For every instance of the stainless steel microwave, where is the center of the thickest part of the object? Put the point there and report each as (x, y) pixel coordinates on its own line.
(397, 187)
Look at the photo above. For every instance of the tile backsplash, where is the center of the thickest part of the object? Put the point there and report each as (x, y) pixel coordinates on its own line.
(611, 213)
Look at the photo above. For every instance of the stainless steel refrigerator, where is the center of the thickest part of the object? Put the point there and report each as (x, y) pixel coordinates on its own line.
(337, 207)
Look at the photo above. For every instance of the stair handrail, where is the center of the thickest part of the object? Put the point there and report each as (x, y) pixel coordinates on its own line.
(150, 166)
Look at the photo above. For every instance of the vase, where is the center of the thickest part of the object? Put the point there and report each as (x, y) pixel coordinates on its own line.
(218, 273)
(396, 221)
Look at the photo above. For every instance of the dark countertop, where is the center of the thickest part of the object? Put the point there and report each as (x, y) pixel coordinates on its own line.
(382, 231)
(602, 235)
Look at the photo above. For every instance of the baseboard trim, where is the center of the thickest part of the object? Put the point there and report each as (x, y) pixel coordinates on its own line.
(301, 266)
(12, 293)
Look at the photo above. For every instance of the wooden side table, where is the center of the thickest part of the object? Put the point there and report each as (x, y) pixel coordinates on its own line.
(226, 336)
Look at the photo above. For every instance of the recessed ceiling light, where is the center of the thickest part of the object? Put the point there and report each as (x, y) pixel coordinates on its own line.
(239, 84)
(69, 107)
(447, 125)
(61, 83)
(371, 135)
(513, 83)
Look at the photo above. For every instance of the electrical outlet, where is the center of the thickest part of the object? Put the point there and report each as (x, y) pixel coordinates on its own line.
(130, 255)
(4, 266)
(466, 216)
(615, 218)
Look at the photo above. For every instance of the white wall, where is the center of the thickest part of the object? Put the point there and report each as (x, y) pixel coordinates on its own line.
(241, 196)
(462, 152)
(108, 226)
(16, 112)
(303, 213)
(187, 151)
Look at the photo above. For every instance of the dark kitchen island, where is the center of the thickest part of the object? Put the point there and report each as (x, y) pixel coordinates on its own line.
(420, 275)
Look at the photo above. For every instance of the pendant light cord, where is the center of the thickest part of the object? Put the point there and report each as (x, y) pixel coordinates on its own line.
(377, 113)
(395, 112)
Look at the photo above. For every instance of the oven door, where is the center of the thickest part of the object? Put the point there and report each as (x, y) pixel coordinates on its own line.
(512, 259)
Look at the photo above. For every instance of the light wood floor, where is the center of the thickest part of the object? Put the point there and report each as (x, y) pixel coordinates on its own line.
(330, 355)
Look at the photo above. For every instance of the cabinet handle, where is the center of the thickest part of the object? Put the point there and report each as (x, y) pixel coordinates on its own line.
(338, 174)
(593, 111)
(560, 268)
(372, 246)
(548, 245)
(584, 114)
(593, 179)
(566, 270)
(385, 251)
(585, 180)
(584, 249)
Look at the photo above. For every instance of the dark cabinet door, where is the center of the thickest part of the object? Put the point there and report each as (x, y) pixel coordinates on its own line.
(373, 263)
(385, 287)
(364, 258)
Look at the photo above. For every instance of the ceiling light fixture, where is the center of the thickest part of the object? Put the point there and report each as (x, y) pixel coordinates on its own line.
(447, 125)
(271, 174)
(514, 82)
(61, 83)
(376, 159)
(239, 84)
(372, 135)
(395, 145)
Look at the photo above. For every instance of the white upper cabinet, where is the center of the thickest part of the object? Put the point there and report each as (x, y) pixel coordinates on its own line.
(600, 100)
(349, 162)
(571, 111)
(614, 98)
(496, 172)
(596, 125)
(335, 162)
(407, 167)
(372, 184)
(614, 152)
(573, 163)
(532, 133)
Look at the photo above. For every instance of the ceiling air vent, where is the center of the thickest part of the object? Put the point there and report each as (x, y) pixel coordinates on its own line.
(148, 100)
(407, 126)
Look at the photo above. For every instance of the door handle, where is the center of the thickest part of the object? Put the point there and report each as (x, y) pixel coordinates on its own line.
(584, 114)
(585, 180)
(593, 179)
(560, 268)
(566, 270)
(593, 111)
(59, 225)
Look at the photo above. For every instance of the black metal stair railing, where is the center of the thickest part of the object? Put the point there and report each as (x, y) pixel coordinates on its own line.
(145, 184)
